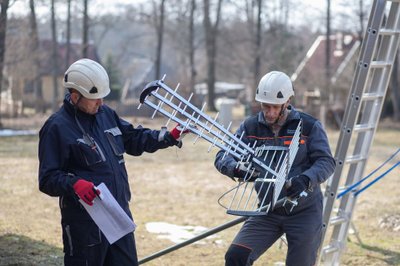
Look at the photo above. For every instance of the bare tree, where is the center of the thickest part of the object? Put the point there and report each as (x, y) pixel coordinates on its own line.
(211, 32)
(4, 4)
(160, 34)
(68, 40)
(325, 95)
(257, 44)
(191, 46)
(35, 53)
(54, 57)
(85, 29)
(328, 48)
(361, 19)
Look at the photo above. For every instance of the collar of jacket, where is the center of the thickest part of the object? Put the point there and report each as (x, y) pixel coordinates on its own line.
(70, 108)
(293, 115)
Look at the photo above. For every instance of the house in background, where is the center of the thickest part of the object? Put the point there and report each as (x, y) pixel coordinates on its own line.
(46, 66)
(23, 88)
(309, 79)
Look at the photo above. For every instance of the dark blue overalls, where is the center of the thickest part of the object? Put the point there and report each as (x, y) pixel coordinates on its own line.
(65, 156)
(303, 225)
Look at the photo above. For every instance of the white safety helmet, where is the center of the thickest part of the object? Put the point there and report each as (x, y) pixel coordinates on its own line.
(89, 78)
(274, 88)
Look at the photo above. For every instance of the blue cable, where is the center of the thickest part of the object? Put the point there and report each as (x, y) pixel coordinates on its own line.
(368, 176)
(376, 179)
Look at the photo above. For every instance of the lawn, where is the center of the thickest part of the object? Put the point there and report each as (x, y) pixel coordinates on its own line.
(180, 187)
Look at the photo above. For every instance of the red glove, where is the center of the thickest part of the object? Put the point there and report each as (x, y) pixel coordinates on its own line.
(177, 132)
(86, 191)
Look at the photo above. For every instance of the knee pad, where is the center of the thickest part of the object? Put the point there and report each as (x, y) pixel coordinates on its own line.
(237, 256)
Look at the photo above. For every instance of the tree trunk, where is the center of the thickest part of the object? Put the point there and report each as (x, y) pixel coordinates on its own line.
(328, 52)
(326, 93)
(54, 58)
(191, 46)
(160, 34)
(257, 58)
(39, 103)
(68, 40)
(361, 20)
(211, 32)
(3, 30)
(85, 29)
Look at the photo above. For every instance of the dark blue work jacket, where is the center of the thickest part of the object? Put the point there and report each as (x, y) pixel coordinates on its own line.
(67, 154)
(313, 159)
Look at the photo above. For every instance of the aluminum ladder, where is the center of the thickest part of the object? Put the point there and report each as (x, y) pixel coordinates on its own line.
(363, 109)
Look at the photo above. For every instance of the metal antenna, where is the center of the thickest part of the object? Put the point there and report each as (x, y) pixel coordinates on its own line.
(272, 162)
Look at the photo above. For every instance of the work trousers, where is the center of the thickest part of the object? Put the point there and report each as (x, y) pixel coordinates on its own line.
(85, 245)
(303, 234)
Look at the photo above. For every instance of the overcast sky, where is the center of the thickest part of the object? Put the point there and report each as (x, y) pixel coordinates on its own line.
(105, 6)
(309, 12)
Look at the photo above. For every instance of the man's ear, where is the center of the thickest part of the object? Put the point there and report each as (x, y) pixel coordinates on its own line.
(74, 97)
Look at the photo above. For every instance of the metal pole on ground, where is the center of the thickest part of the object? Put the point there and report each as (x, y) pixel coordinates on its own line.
(194, 239)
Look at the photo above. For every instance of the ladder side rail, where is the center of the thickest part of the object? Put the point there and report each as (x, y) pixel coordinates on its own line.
(371, 114)
(392, 23)
(368, 48)
(354, 99)
(348, 202)
(359, 82)
(352, 110)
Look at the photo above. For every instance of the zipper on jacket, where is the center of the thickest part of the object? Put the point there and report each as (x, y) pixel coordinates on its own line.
(68, 232)
(98, 131)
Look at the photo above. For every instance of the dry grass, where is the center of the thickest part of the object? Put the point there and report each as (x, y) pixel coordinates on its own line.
(178, 186)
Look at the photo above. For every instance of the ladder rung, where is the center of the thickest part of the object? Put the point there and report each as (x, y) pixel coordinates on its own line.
(340, 189)
(338, 220)
(370, 96)
(354, 159)
(388, 32)
(330, 249)
(363, 128)
(380, 64)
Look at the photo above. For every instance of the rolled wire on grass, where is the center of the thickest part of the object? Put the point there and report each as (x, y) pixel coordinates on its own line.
(357, 192)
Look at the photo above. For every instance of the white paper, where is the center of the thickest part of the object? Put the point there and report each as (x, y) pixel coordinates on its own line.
(109, 216)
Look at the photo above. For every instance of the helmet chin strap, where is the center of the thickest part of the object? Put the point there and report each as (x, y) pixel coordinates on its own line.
(77, 101)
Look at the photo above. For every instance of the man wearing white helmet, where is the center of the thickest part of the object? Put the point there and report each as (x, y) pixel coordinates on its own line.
(275, 125)
(81, 146)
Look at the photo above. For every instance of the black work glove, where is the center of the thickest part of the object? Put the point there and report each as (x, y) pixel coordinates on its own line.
(171, 140)
(298, 184)
(243, 171)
